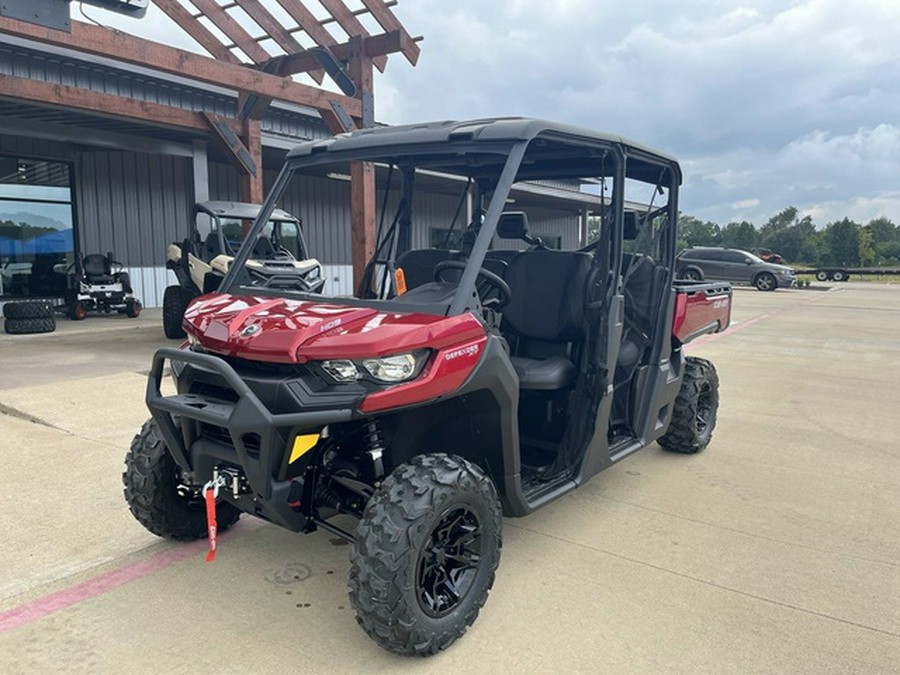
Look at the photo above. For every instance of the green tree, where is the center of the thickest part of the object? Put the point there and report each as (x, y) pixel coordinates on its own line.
(841, 243)
(811, 248)
(888, 253)
(695, 232)
(866, 247)
(883, 230)
(786, 233)
(593, 229)
(740, 235)
(780, 221)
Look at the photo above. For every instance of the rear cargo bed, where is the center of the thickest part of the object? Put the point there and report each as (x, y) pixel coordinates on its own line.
(701, 307)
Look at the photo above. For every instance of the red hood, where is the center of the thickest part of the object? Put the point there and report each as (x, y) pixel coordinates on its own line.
(291, 331)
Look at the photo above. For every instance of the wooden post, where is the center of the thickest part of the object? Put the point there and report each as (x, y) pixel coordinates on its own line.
(252, 184)
(362, 207)
(362, 186)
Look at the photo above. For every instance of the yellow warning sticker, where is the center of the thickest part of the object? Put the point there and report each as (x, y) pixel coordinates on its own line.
(302, 445)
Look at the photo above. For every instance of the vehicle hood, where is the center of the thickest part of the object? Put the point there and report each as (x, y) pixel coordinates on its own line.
(292, 331)
(778, 268)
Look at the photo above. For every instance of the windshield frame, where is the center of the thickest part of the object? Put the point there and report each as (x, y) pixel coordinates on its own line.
(623, 157)
(465, 297)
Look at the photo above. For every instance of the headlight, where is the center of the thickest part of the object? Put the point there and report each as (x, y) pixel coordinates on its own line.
(383, 369)
(314, 273)
(396, 368)
(342, 370)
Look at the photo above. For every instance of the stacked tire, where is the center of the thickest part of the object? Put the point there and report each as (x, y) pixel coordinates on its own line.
(24, 318)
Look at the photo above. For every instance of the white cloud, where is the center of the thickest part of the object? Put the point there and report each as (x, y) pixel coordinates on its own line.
(745, 204)
(826, 175)
(767, 102)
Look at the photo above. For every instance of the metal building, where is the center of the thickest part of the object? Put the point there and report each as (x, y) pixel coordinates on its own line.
(81, 172)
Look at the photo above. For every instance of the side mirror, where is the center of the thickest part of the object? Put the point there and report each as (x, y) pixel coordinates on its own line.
(513, 225)
(630, 225)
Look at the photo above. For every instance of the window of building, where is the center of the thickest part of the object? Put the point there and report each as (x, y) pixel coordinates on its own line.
(37, 244)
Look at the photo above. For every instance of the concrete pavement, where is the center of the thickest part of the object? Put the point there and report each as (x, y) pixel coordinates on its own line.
(774, 551)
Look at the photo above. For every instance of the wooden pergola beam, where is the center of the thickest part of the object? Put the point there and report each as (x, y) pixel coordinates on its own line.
(24, 89)
(373, 46)
(277, 32)
(129, 49)
(351, 25)
(310, 24)
(389, 22)
(235, 32)
(194, 28)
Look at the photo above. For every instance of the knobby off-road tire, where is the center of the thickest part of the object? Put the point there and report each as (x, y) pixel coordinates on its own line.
(425, 554)
(175, 301)
(29, 326)
(694, 414)
(156, 496)
(27, 310)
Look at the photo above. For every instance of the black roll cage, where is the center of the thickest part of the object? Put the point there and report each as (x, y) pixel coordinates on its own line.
(628, 161)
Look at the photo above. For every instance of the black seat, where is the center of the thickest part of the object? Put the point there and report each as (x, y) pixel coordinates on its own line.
(97, 269)
(418, 264)
(639, 276)
(211, 247)
(644, 282)
(263, 249)
(545, 315)
(557, 372)
(45, 280)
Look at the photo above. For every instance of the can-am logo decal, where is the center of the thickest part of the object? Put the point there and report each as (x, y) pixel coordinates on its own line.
(471, 350)
(251, 330)
(720, 304)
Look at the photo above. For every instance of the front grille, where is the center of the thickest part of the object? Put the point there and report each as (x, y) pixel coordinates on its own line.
(252, 441)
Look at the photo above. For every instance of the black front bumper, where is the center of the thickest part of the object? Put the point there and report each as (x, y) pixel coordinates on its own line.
(254, 439)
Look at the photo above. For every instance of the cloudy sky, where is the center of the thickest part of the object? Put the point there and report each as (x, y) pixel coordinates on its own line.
(767, 103)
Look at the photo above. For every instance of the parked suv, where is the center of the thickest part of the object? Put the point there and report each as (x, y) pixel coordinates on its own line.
(735, 265)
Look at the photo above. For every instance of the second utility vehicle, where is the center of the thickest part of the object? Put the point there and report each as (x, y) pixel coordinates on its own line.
(201, 261)
(457, 386)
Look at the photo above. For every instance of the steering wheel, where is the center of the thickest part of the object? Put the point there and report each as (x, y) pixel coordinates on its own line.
(488, 282)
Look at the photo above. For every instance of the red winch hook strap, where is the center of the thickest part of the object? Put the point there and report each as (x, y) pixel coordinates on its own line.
(210, 493)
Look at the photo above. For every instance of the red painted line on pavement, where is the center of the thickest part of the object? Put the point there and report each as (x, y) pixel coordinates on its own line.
(54, 602)
(729, 331)
(749, 322)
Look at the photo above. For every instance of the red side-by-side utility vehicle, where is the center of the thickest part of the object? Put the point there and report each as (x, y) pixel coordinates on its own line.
(483, 377)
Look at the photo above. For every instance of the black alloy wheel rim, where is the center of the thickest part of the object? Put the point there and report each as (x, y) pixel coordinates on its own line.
(449, 562)
(704, 408)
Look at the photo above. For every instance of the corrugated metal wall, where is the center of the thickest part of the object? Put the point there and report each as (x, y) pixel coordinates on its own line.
(549, 222)
(134, 205)
(43, 67)
(224, 182)
(36, 148)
